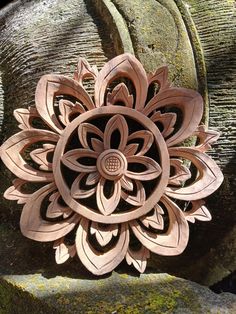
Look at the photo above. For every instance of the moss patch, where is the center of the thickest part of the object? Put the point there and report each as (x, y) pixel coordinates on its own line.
(13, 300)
(159, 37)
(117, 294)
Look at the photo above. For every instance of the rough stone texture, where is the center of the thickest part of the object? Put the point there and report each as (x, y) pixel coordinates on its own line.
(159, 37)
(39, 37)
(151, 293)
(215, 22)
(16, 301)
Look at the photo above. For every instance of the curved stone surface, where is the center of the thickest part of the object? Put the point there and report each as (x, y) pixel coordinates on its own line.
(119, 32)
(160, 37)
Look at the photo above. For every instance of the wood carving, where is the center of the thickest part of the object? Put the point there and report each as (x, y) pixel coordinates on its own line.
(111, 167)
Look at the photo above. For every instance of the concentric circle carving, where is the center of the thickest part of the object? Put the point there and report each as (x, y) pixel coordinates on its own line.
(153, 169)
(111, 168)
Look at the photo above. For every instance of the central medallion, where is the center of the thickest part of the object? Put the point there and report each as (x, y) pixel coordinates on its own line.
(111, 164)
(110, 177)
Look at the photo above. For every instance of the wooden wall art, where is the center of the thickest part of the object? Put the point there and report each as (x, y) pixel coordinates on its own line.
(110, 168)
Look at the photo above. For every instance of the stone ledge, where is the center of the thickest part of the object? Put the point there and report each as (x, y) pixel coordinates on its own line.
(14, 300)
(31, 280)
(119, 293)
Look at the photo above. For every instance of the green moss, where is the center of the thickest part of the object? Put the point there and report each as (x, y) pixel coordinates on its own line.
(198, 55)
(163, 299)
(13, 300)
(156, 302)
(159, 37)
(149, 294)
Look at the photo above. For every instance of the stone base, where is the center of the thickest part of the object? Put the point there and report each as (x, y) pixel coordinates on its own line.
(119, 293)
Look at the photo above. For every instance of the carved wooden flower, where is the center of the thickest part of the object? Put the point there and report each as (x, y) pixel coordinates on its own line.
(111, 167)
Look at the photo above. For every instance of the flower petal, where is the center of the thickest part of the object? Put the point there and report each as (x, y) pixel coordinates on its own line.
(125, 65)
(161, 77)
(108, 205)
(40, 156)
(167, 120)
(120, 94)
(152, 172)
(174, 241)
(138, 258)
(95, 261)
(83, 131)
(55, 209)
(24, 117)
(127, 183)
(206, 138)
(97, 145)
(147, 138)
(131, 149)
(67, 108)
(92, 178)
(118, 123)
(52, 85)
(188, 101)
(155, 220)
(84, 70)
(70, 159)
(63, 251)
(77, 192)
(104, 234)
(33, 226)
(209, 179)
(14, 192)
(138, 199)
(181, 174)
(11, 149)
(198, 211)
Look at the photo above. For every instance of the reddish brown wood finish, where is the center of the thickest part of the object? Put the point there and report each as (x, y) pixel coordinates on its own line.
(117, 165)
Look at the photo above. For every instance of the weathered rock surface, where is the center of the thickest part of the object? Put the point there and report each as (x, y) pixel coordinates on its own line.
(150, 293)
(118, 294)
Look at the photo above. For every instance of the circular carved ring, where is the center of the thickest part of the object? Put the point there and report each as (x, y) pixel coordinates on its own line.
(112, 164)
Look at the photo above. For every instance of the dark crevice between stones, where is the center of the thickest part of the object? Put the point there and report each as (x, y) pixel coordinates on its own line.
(228, 284)
(108, 45)
(4, 3)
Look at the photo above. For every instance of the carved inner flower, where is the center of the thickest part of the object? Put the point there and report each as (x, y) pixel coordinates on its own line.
(112, 168)
(112, 164)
